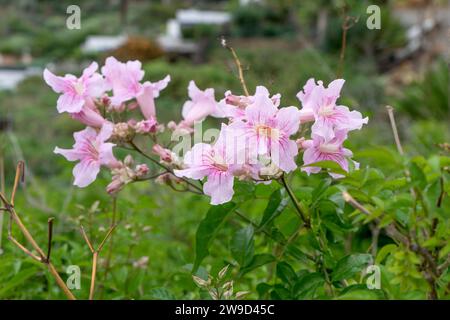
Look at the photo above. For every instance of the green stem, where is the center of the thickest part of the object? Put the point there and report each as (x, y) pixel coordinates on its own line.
(297, 205)
(135, 147)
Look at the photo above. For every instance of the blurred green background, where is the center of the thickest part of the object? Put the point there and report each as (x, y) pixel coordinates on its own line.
(281, 44)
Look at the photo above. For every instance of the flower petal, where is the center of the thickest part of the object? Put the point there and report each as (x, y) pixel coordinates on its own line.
(261, 111)
(58, 84)
(219, 187)
(85, 173)
(69, 102)
(69, 154)
(288, 120)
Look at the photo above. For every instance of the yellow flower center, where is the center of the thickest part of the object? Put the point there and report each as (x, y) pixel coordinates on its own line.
(264, 130)
(329, 148)
(219, 162)
(326, 110)
(79, 88)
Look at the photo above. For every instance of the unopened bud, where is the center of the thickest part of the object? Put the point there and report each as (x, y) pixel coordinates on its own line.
(200, 282)
(223, 272)
(164, 154)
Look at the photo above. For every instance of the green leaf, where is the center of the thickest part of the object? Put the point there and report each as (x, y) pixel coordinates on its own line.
(296, 253)
(319, 191)
(418, 178)
(286, 273)
(243, 246)
(243, 191)
(330, 165)
(258, 261)
(360, 292)
(384, 252)
(280, 293)
(307, 284)
(277, 202)
(207, 230)
(17, 280)
(350, 265)
(161, 294)
(263, 288)
(331, 218)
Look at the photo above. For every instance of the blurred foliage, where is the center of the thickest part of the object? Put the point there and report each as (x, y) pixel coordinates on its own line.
(269, 20)
(361, 39)
(429, 96)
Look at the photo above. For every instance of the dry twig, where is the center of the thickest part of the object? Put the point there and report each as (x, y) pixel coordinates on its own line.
(14, 218)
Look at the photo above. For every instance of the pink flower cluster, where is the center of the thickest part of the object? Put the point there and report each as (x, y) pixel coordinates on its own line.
(85, 97)
(332, 123)
(259, 140)
(257, 144)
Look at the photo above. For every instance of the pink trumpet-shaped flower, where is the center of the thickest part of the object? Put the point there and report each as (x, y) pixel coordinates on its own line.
(92, 151)
(217, 163)
(125, 81)
(233, 106)
(268, 129)
(201, 105)
(75, 92)
(326, 149)
(123, 78)
(147, 95)
(90, 116)
(307, 112)
(319, 104)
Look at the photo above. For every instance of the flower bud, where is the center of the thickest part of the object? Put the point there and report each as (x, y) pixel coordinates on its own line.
(141, 263)
(223, 272)
(114, 186)
(200, 282)
(128, 161)
(146, 126)
(141, 170)
(164, 154)
(122, 132)
(241, 294)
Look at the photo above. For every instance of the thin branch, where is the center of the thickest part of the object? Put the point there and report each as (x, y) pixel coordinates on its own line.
(442, 193)
(93, 275)
(86, 238)
(41, 256)
(238, 65)
(25, 250)
(390, 229)
(20, 176)
(108, 234)
(136, 148)
(394, 130)
(50, 237)
(297, 205)
(95, 254)
(355, 204)
(347, 23)
(111, 244)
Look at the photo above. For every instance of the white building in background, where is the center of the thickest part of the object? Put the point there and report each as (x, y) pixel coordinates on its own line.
(173, 29)
(247, 2)
(95, 44)
(11, 77)
(172, 40)
(191, 17)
